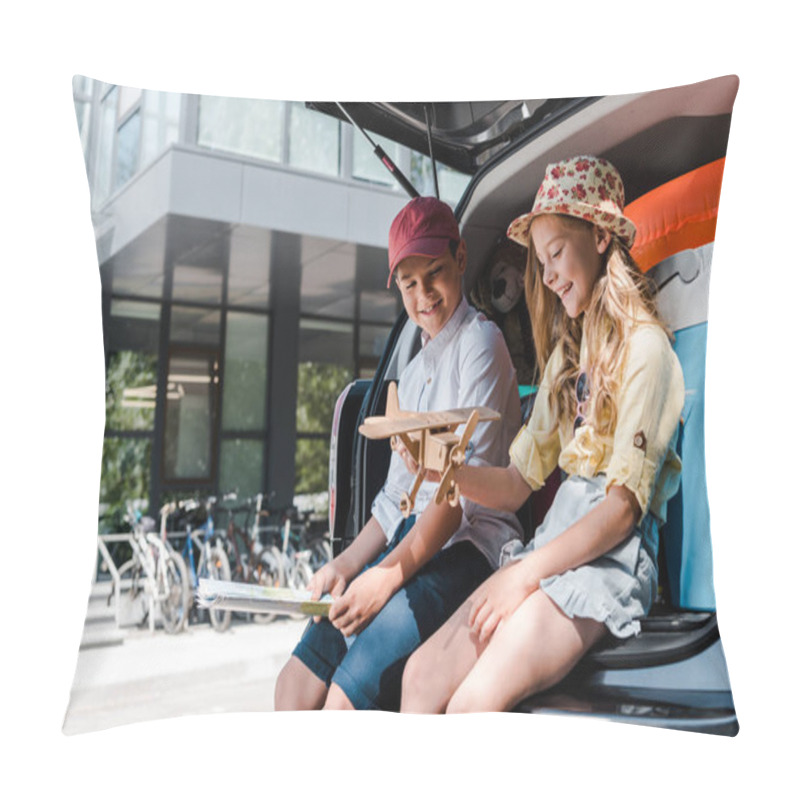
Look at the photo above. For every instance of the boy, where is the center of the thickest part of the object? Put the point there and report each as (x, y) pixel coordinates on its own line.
(400, 579)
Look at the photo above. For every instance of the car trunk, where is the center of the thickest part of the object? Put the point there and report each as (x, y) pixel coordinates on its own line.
(652, 138)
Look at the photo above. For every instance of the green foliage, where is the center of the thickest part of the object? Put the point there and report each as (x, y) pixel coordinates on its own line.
(125, 476)
(311, 466)
(129, 369)
(318, 387)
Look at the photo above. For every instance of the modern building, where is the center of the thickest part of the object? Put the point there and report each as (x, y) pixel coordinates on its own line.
(241, 246)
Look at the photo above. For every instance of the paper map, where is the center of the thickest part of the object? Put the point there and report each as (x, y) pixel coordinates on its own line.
(248, 597)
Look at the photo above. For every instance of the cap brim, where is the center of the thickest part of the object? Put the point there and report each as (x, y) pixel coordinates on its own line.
(431, 247)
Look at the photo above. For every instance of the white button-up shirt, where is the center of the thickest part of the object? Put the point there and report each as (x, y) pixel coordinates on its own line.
(465, 364)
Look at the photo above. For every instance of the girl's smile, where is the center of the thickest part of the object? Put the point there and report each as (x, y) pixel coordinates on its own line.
(570, 253)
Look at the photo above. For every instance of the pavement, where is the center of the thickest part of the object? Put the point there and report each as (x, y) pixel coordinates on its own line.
(129, 674)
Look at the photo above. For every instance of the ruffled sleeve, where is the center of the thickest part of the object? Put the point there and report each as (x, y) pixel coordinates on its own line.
(648, 411)
(535, 449)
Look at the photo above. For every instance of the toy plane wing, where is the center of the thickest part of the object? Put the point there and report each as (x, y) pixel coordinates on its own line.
(397, 421)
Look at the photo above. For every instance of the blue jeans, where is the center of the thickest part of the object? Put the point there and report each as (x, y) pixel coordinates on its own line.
(368, 667)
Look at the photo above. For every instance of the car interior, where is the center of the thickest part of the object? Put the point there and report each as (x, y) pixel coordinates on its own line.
(669, 147)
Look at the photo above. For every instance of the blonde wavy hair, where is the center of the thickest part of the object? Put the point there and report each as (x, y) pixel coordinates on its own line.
(621, 297)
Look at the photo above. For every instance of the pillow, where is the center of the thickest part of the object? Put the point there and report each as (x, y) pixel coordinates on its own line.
(242, 254)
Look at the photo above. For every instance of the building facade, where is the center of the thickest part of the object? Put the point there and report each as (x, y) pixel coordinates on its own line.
(242, 254)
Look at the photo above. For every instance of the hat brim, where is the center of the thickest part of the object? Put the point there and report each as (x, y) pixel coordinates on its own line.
(520, 229)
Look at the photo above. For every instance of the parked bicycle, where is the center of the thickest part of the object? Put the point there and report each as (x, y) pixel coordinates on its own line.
(157, 575)
(212, 561)
(253, 556)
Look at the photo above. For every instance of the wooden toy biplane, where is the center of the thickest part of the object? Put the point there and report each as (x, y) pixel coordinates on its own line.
(431, 440)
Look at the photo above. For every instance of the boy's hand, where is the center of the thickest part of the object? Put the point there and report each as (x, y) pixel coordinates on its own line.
(328, 578)
(412, 466)
(408, 459)
(364, 598)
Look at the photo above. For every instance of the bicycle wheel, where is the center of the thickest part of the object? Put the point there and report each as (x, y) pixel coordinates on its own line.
(300, 576)
(133, 605)
(321, 553)
(270, 573)
(174, 593)
(216, 568)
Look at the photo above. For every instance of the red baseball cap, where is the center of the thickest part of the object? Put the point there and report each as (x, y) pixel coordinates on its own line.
(424, 227)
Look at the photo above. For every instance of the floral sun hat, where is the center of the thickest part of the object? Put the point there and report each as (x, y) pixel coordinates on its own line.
(585, 187)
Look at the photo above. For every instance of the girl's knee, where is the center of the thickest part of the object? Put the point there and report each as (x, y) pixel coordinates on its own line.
(418, 693)
(464, 701)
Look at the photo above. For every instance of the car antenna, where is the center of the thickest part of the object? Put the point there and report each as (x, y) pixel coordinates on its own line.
(387, 162)
(430, 148)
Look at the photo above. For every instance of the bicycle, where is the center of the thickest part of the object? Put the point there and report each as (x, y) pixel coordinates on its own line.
(212, 562)
(157, 574)
(253, 557)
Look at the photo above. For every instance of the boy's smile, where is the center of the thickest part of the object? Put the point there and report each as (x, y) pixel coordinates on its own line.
(431, 287)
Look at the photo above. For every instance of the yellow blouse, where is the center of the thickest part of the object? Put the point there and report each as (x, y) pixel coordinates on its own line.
(640, 452)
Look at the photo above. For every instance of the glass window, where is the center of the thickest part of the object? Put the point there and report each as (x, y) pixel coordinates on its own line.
(105, 146)
(366, 165)
(311, 466)
(82, 96)
(125, 476)
(382, 306)
(131, 390)
(128, 98)
(241, 466)
(160, 123)
(248, 127)
(327, 287)
(451, 183)
(132, 345)
(191, 407)
(372, 340)
(194, 325)
(244, 398)
(128, 140)
(197, 284)
(249, 267)
(318, 387)
(313, 140)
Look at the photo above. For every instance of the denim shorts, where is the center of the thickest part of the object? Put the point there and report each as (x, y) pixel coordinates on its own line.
(368, 667)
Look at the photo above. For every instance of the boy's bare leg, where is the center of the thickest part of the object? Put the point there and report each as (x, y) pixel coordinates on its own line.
(535, 648)
(337, 700)
(298, 688)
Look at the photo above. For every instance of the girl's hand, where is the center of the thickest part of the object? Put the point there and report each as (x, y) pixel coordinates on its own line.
(364, 598)
(499, 597)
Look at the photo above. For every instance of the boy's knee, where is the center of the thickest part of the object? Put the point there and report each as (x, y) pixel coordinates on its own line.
(283, 690)
(297, 688)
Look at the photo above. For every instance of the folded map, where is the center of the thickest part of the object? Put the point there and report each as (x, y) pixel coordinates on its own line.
(248, 597)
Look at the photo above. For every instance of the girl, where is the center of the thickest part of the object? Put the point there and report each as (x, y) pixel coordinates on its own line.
(606, 413)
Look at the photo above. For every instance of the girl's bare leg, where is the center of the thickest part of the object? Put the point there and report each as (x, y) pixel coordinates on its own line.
(535, 648)
(298, 688)
(436, 669)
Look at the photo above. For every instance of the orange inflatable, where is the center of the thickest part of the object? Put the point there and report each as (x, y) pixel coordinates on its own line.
(679, 215)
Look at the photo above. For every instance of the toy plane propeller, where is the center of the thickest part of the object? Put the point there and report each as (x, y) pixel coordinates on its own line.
(431, 440)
